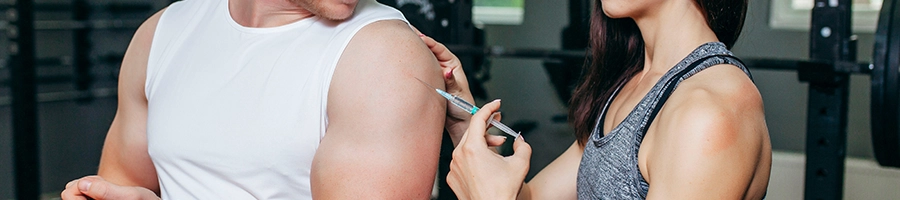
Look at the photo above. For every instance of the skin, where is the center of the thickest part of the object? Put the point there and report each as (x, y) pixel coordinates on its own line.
(474, 146)
(384, 127)
(389, 152)
(714, 121)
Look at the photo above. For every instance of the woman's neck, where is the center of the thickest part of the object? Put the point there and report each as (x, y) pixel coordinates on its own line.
(672, 32)
(266, 13)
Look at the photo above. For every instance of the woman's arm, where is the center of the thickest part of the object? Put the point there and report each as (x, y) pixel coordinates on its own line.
(558, 179)
(710, 141)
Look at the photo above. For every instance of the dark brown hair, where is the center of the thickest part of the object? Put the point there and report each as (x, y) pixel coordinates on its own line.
(617, 54)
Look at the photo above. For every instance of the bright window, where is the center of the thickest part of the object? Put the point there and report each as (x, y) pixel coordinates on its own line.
(505, 12)
(795, 14)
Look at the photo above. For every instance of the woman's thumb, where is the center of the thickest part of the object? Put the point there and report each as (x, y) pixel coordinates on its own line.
(522, 150)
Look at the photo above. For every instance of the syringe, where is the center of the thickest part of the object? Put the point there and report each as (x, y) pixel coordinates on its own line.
(468, 107)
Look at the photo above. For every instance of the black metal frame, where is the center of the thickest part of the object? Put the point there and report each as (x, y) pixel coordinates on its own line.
(26, 149)
(82, 47)
(826, 128)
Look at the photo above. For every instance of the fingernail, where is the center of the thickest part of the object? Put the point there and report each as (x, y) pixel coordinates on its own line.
(84, 185)
(421, 35)
(521, 137)
(449, 73)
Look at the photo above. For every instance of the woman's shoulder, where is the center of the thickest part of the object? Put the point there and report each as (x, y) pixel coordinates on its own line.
(711, 128)
(722, 86)
(720, 102)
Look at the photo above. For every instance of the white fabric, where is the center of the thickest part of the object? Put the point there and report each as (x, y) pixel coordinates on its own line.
(238, 112)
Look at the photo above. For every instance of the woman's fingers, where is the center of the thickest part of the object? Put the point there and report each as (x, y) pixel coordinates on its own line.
(440, 50)
(449, 62)
(522, 151)
(495, 140)
(478, 124)
(476, 172)
(416, 30)
(496, 117)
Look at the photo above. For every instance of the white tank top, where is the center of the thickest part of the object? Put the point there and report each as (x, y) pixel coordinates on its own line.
(238, 112)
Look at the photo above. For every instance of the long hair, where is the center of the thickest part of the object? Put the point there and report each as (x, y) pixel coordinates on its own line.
(617, 54)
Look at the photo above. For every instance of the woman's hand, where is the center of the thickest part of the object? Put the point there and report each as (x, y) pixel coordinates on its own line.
(94, 187)
(456, 83)
(476, 172)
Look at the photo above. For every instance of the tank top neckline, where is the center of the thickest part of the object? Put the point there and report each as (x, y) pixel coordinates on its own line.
(599, 132)
(225, 11)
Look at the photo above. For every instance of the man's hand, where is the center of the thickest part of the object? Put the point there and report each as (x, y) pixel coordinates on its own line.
(94, 187)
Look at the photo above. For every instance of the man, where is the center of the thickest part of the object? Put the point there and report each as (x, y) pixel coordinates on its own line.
(272, 99)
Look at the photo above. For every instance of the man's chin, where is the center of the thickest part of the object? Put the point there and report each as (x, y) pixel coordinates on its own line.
(338, 14)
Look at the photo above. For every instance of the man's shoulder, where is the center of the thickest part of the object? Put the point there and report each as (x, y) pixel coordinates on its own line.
(387, 31)
(368, 13)
(387, 48)
(389, 38)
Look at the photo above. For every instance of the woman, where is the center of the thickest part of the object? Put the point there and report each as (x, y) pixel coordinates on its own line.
(637, 136)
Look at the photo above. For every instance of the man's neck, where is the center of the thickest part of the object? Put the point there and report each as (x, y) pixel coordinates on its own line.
(266, 13)
(671, 33)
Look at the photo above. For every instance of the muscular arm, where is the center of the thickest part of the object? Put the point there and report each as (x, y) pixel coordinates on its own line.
(384, 126)
(125, 160)
(711, 141)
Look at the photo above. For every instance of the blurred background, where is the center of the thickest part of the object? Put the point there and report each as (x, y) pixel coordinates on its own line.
(79, 44)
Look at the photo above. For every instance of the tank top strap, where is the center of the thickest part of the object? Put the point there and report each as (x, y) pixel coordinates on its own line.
(669, 82)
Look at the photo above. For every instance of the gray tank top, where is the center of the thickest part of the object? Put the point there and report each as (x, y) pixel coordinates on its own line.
(609, 165)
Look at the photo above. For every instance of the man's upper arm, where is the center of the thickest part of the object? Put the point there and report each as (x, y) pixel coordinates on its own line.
(125, 160)
(384, 126)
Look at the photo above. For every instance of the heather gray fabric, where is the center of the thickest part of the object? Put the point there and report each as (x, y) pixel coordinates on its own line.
(609, 166)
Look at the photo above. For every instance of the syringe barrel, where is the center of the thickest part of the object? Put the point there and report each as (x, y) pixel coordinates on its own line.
(459, 102)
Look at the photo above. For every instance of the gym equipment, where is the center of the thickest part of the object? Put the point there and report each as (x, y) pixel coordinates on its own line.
(19, 27)
(24, 106)
(832, 60)
(886, 86)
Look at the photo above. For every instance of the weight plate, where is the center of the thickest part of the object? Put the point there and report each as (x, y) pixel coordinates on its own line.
(885, 111)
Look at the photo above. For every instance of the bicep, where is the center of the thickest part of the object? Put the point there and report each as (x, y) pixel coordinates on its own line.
(384, 126)
(124, 159)
(558, 179)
